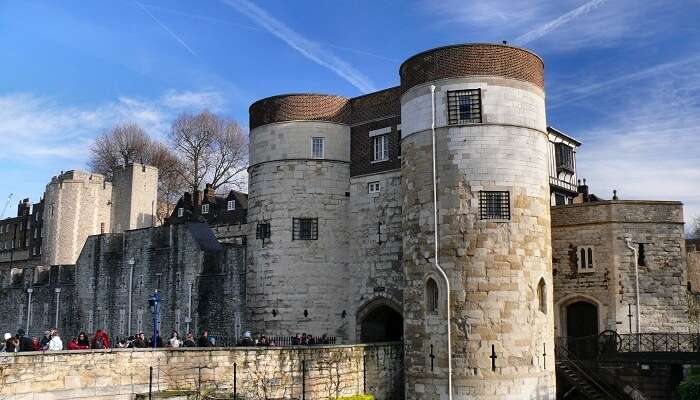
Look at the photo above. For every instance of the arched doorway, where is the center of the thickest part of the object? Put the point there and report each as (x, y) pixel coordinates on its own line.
(380, 321)
(581, 319)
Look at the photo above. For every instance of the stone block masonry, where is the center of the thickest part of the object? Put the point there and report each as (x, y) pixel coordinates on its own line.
(655, 230)
(323, 372)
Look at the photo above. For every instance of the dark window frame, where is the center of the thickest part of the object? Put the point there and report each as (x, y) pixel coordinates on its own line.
(262, 230)
(564, 157)
(304, 228)
(494, 205)
(464, 107)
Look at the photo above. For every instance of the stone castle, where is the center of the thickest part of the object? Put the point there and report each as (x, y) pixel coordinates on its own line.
(360, 212)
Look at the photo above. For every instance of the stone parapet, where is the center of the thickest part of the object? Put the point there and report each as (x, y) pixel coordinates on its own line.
(322, 372)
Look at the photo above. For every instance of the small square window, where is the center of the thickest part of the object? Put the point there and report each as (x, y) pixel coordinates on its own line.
(464, 106)
(585, 259)
(317, 147)
(180, 212)
(305, 229)
(381, 148)
(373, 187)
(205, 208)
(494, 205)
(231, 205)
(262, 231)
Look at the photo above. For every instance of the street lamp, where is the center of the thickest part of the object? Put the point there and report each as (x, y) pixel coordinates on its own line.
(131, 288)
(154, 305)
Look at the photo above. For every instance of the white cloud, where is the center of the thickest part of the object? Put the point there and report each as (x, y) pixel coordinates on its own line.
(557, 26)
(42, 128)
(558, 22)
(646, 145)
(306, 47)
(211, 100)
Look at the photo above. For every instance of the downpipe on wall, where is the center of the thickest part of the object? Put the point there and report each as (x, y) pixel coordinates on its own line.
(628, 242)
(437, 263)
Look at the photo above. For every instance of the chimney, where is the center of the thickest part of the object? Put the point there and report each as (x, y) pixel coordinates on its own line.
(209, 191)
(583, 190)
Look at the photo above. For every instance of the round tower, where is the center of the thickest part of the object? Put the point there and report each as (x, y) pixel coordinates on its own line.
(299, 178)
(493, 224)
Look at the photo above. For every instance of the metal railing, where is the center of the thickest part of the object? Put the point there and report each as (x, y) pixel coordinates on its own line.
(591, 347)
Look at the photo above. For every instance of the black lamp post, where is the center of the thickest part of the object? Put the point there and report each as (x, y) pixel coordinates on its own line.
(154, 305)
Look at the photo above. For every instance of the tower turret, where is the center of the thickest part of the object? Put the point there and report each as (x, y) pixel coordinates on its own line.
(298, 180)
(493, 223)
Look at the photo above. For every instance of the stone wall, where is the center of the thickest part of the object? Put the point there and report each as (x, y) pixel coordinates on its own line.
(180, 262)
(323, 372)
(658, 227)
(76, 205)
(53, 289)
(494, 266)
(303, 281)
(376, 269)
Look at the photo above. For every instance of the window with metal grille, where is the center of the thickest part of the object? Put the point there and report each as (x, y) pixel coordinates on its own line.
(262, 231)
(464, 106)
(304, 228)
(494, 205)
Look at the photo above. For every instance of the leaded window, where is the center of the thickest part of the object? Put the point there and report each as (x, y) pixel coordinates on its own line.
(305, 229)
(464, 106)
(494, 204)
(262, 231)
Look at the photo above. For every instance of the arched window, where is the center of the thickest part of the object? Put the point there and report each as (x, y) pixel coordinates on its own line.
(431, 293)
(542, 296)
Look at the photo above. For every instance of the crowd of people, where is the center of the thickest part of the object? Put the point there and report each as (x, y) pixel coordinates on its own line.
(51, 341)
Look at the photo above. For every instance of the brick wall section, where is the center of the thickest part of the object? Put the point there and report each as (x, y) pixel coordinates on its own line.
(299, 107)
(362, 147)
(472, 59)
(331, 371)
(605, 225)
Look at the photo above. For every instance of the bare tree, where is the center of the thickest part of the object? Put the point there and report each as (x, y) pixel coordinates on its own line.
(695, 229)
(170, 183)
(124, 144)
(210, 148)
(127, 143)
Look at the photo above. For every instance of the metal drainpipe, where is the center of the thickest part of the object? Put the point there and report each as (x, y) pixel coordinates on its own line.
(437, 263)
(628, 242)
(189, 307)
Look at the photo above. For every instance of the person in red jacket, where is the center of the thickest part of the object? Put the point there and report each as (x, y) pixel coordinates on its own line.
(101, 340)
(73, 344)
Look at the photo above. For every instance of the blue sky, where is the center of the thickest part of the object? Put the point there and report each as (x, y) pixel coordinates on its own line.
(623, 76)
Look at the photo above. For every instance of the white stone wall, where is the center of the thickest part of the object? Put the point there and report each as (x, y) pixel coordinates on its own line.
(494, 266)
(375, 269)
(292, 140)
(290, 276)
(76, 205)
(135, 192)
(504, 101)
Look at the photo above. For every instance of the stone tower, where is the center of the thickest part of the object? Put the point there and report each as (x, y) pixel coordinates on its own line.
(493, 218)
(134, 193)
(77, 204)
(299, 178)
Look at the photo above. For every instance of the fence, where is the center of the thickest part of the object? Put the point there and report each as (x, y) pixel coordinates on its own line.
(610, 343)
